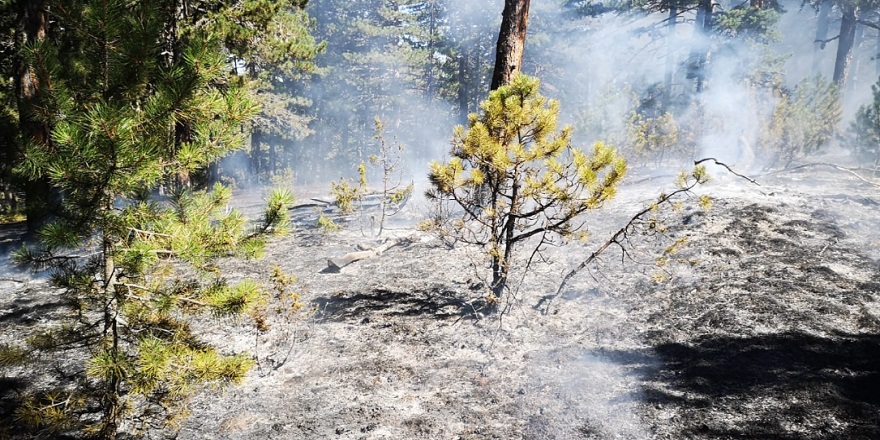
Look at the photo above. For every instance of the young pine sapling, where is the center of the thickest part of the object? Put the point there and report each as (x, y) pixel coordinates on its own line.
(514, 177)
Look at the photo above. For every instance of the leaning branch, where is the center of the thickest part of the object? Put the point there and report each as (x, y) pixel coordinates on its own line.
(824, 42)
(615, 239)
(621, 235)
(697, 162)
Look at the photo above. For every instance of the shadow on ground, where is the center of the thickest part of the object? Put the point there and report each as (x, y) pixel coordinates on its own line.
(439, 304)
(779, 386)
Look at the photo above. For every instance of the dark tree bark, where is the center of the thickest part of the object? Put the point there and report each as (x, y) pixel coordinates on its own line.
(845, 43)
(511, 42)
(273, 157)
(256, 155)
(32, 28)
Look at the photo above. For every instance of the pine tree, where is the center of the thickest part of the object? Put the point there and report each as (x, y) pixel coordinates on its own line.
(803, 121)
(271, 43)
(864, 133)
(117, 103)
(513, 177)
(390, 56)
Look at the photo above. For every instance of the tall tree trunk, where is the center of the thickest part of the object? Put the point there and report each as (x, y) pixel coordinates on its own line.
(670, 54)
(476, 77)
(430, 80)
(855, 62)
(845, 44)
(700, 55)
(511, 42)
(256, 152)
(273, 158)
(32, 28)
(821, 33)
(877, 57)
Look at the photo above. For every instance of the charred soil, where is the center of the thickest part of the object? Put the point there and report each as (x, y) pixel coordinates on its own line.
(762, 322)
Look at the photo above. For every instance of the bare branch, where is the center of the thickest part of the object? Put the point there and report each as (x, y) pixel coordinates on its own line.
(697, 162)
(619, 237)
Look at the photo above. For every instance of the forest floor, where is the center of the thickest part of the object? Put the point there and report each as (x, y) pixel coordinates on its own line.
(763, 323)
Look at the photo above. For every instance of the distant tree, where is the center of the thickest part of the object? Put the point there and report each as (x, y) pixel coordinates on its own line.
(271, 43)
(383, 59)
(864, 132)
(855, 17)
(823, 10)
(653, 137)
(703, 23)
(513, 177)
(803, 121)
(473, 33)
(734, 34)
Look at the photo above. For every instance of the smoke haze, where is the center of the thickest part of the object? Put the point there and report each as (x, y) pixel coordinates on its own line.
(423, 65)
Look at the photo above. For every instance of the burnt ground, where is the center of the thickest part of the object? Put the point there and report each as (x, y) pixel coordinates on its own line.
(764, 323)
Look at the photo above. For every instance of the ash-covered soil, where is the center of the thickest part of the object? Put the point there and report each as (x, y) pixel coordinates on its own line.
(762, 322)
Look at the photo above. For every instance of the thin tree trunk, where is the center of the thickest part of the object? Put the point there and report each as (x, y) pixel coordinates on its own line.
(511, 42)
(112, 403)
(845, 45)
(670, 53)
(273, 158)
(182, 129)
(877, 57)
(256, 152)
(821, 34)
(463, 85)
(476, 79)
(700, 56)
(432, 30)
(855, 62)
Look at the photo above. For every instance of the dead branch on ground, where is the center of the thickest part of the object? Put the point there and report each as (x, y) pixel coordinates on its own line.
(340, 262)
(849, 170)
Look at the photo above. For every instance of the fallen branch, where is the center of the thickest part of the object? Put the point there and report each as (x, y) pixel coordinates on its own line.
(319, 204)
(835, 166)
(351, 257)
(14, 280)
